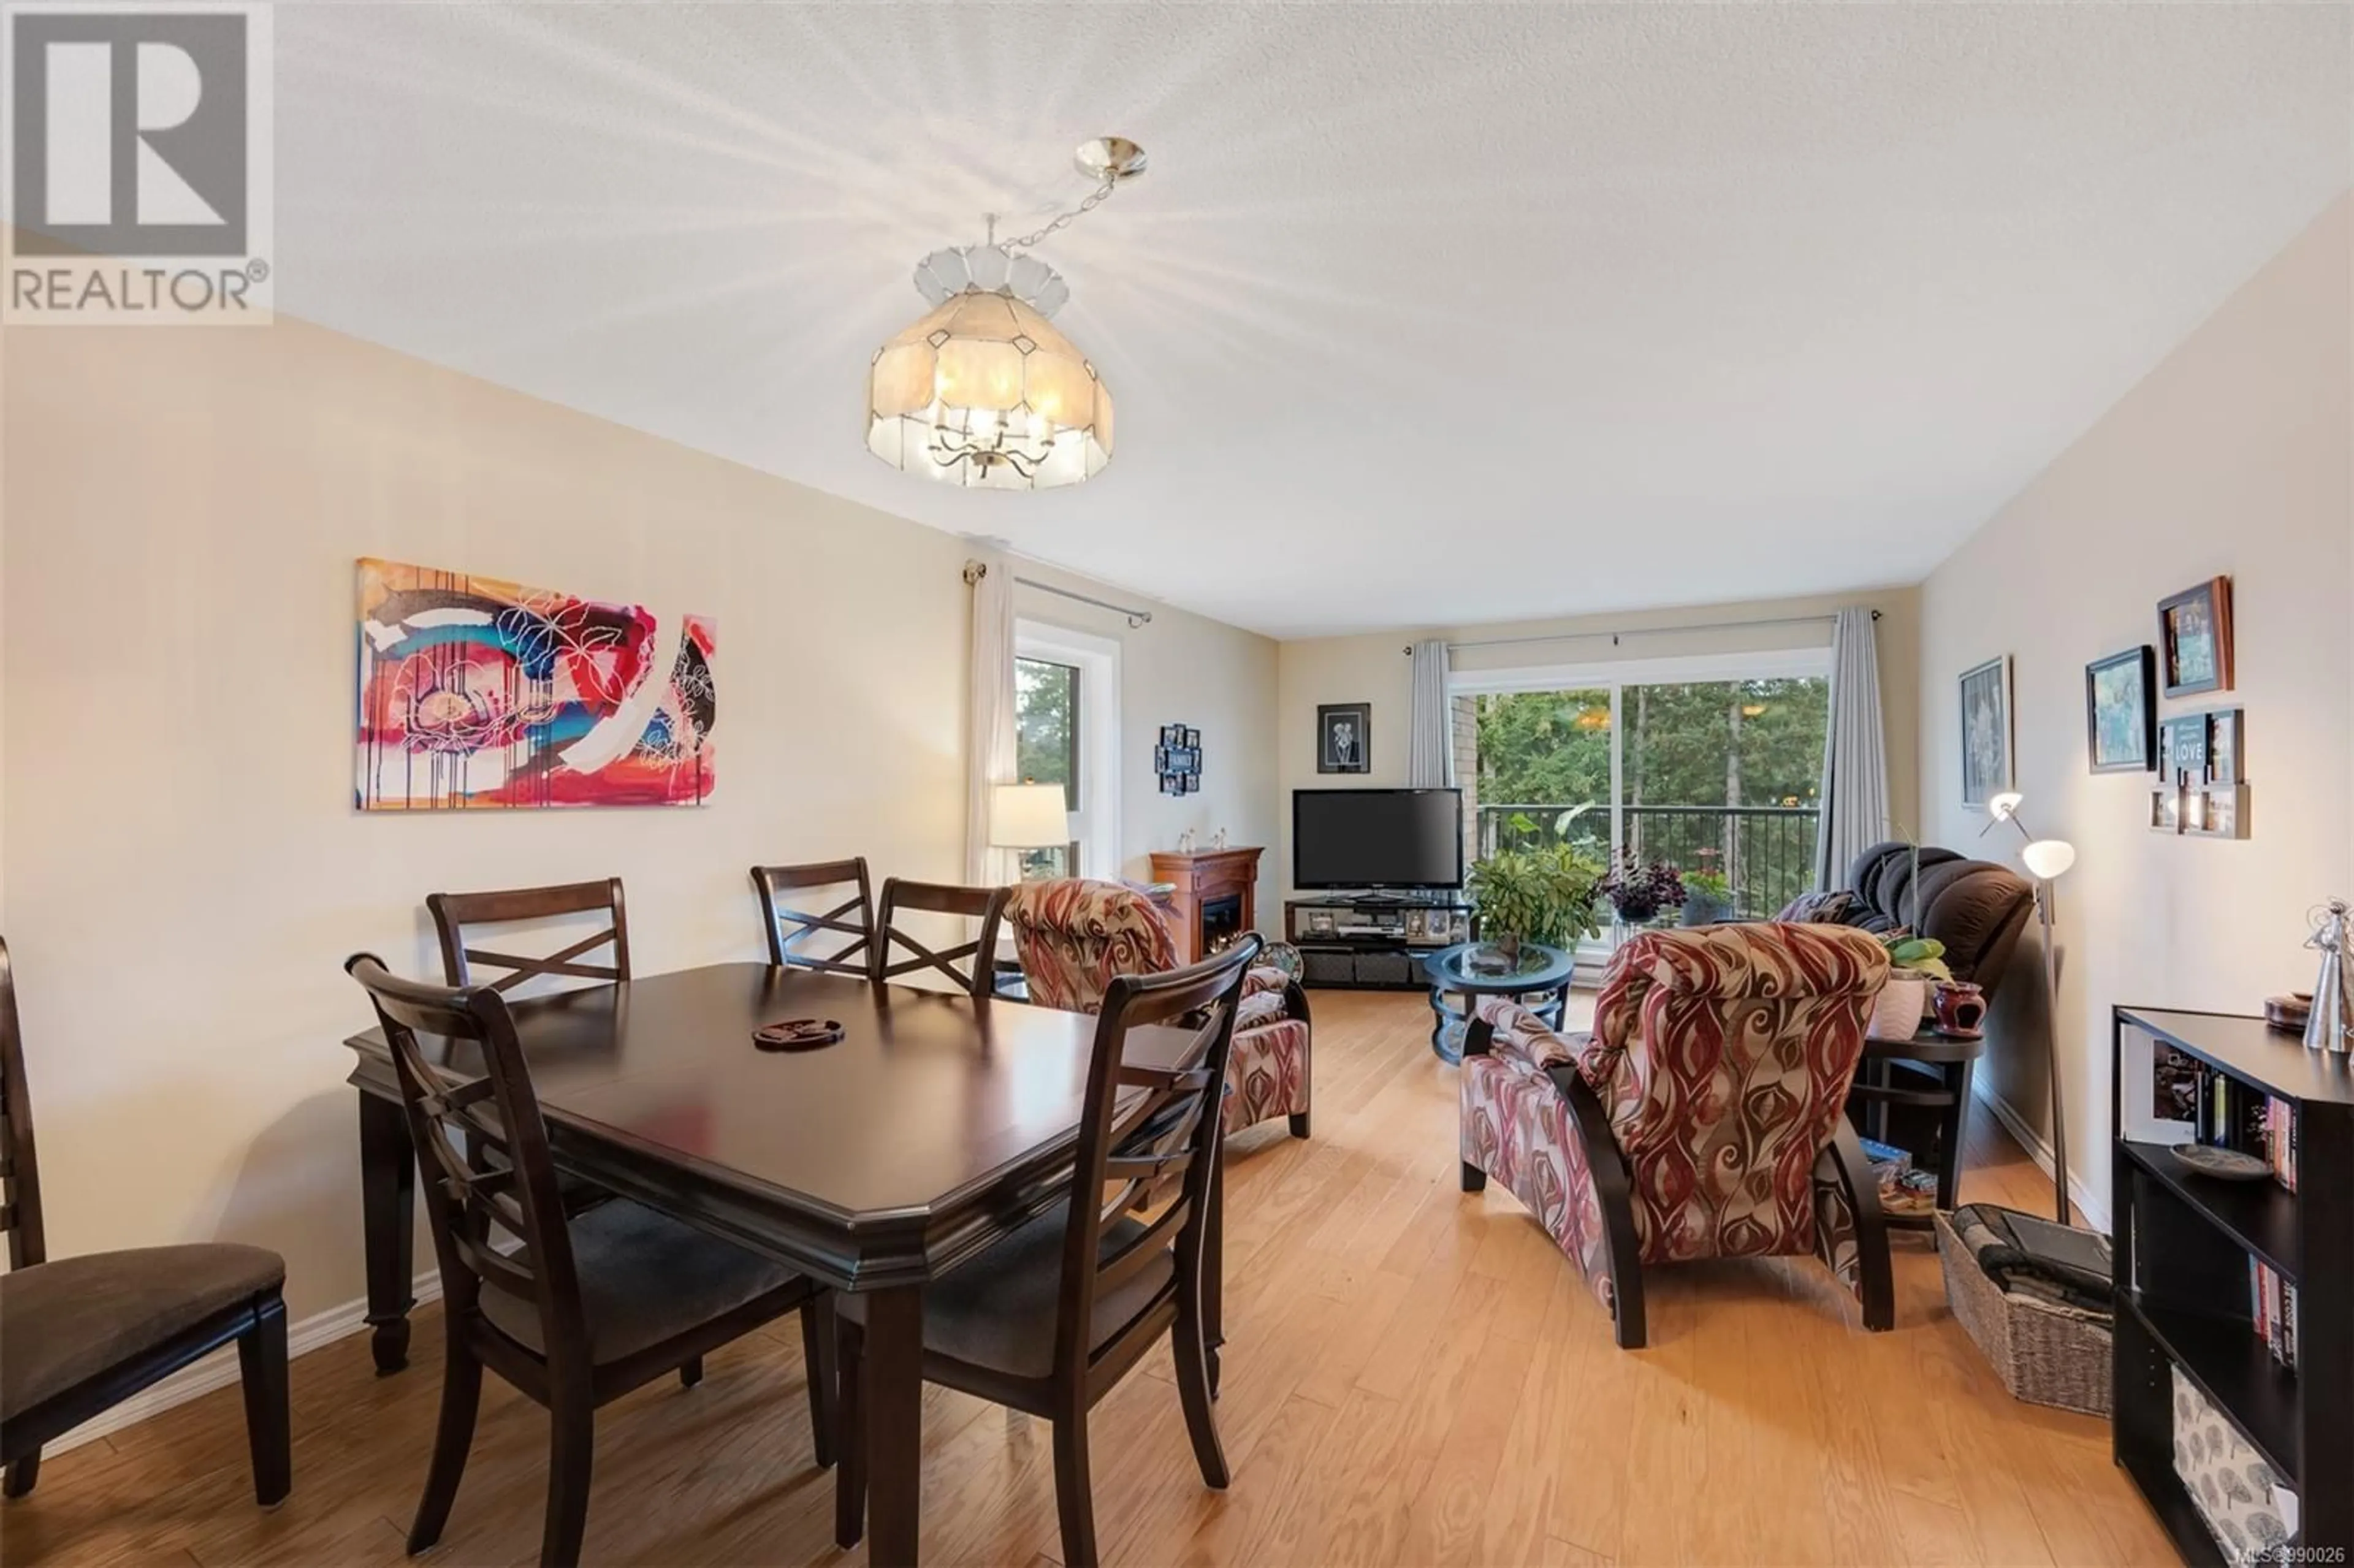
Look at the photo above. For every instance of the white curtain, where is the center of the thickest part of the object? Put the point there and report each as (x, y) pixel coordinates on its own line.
(990, 756)
(1430, 734)
(1855, 753)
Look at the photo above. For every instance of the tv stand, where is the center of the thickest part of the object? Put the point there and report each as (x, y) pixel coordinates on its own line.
(1373, 940)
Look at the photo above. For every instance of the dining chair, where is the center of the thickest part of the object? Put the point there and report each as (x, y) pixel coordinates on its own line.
(454, 912)
(986, 904)
(1048, 1321)
(80, 1335)
(586, 1308)
(791, 930)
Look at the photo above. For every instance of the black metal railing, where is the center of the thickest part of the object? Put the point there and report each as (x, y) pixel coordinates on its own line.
(1766, 854)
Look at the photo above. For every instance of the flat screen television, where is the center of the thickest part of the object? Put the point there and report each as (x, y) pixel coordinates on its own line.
(1376, 838)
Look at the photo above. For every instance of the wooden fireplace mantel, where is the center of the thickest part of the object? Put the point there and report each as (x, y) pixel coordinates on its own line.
(1199, 878)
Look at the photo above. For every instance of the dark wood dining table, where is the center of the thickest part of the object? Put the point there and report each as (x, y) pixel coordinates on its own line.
(938, 1125)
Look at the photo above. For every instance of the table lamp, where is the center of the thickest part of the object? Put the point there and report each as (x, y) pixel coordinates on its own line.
(1029, 817)
(2047, 860)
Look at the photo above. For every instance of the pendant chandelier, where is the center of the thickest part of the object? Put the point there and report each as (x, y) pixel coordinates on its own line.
(983, 391)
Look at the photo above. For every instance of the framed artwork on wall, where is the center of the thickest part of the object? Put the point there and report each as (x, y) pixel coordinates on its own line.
(1344, 737)
(476, 693)
(1986, 731)
(2121, 710)
(2194, 639)
(1177, 759)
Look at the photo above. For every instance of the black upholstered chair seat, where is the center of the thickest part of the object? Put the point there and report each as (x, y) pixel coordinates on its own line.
(645, 1278)
(998, 1311)
(66, 1323)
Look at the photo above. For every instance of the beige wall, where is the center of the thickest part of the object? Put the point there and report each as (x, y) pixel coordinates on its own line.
(1182, 669)
(1374, 669)
(2231, 457)
(185, 870)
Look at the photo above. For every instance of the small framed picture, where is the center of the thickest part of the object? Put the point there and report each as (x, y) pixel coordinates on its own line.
(2194, 639)
(1986, 731)
(2227, 747)
(1344, 737)
(1193, 739)
(2121, 710)
(2166, 810)
(2184, 750)
(2222, 813)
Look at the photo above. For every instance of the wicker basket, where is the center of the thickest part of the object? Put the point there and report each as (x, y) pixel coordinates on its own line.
(2045, 1353)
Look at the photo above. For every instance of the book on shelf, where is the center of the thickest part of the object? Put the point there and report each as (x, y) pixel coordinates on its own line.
(2271, 1309)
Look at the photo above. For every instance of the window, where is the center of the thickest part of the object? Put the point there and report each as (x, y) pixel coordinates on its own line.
(1066, 732)
(1713, 766)
(1046, 720)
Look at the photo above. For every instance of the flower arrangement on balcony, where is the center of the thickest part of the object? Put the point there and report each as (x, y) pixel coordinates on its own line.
(1639, 893)
(1708, 897)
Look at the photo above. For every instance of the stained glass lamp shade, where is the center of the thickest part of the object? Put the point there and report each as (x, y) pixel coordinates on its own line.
(983, 391)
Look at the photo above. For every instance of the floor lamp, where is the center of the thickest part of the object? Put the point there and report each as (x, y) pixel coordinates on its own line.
(2047, 860)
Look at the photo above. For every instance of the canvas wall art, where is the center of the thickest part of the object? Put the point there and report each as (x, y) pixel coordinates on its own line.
(1986, 731)
(2194, 629)
(2121, 710)
(478, 694)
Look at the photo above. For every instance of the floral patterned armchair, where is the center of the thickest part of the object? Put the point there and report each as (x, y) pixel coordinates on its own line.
(1074, 936)
(1703, 1116)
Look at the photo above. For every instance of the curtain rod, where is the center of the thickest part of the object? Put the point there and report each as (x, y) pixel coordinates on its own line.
(976, 570)
(1645, 632)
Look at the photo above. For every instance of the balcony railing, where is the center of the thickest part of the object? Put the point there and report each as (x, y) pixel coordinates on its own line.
(1766, 854)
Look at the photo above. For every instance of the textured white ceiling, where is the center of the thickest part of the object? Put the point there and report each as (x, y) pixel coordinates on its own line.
(1423, 314)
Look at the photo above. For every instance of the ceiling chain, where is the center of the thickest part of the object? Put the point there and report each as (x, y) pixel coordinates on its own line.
(1028, 241)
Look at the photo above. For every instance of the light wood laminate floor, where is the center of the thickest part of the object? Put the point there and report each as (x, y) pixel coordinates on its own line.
(1415, 1376)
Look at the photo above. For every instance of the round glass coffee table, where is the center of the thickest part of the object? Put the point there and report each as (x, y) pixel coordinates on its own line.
(1462, 974)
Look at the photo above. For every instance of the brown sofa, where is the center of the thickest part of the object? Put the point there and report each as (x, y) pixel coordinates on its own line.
(1975, 908)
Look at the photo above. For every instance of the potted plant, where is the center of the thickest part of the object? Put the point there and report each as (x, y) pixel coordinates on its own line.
(1916, 966)
(1544, 895)
(1638, 892)
(1708, 897)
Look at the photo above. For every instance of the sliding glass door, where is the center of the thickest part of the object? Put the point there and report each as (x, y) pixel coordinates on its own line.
(1717, 776)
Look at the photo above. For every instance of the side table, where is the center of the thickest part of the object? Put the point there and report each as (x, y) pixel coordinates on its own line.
(1935, 1071)
(1541, 972)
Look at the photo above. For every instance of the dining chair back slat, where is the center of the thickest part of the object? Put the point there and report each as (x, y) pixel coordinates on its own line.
(986, 904)
(791, 930)
(484, 1146)
(20, 1169)
(1132, 1155)
(453, 913)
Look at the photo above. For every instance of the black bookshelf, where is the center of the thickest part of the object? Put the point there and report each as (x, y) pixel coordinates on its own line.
(2183, 1242)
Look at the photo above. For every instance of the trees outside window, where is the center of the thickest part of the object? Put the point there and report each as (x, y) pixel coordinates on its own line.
(1046, 747)
(1753, 748)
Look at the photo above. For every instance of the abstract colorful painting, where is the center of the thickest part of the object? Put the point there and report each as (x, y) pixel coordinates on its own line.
(477, 693)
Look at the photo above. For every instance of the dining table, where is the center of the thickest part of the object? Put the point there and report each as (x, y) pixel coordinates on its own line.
(937, 1125)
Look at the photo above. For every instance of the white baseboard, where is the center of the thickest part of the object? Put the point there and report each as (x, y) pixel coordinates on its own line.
(2096, 1212)
(219, 1369)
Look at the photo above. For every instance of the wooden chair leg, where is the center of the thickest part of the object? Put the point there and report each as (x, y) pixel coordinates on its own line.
(850, 1472)
(1614, 1192)
(1193, 1359)
(690, 1373)
(1877, 1286)
(818, 1337)
(1300, 1124)
(22, 1474)
(269, 1428)
(571, 1448)
(1075, 1499)
(1474, 1179)
(461, 1396)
